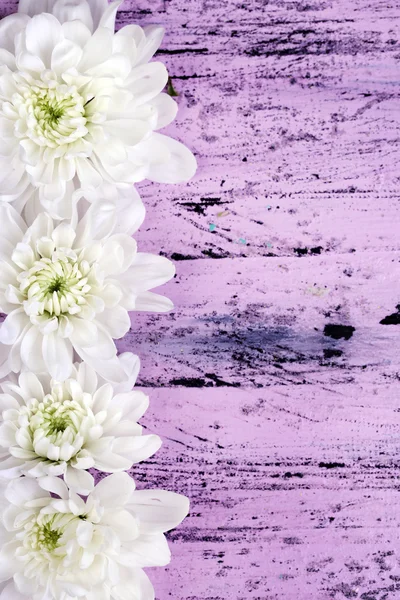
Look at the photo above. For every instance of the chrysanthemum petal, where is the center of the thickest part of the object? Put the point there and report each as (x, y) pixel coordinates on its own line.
(134, 584)
(166, 108)
(181, 165)
(115, 490)
(10, 26)
(137, 448)
(150, 302)
(98, 222)
(107, 19)
(130, 212)
(31, 350)
(10, 592)
(54, 485)
(8, 567)
(132, 404)
(34, 8)
(22, 490)
(97, 8)
(66, 55)
(11, 468)
(153, 37)
(97, 49)
(148, 551)
(76, 32)
(12, 327)
(30, 386)
(57, 354)
(148, 271)
(158, 510)
(79, 480)
(43, 33)
(146, 81)
(77, 10)
(116, 320)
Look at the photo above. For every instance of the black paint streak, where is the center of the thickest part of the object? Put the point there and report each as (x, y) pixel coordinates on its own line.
(316, 250)
(306, 43)
(198, 382)
(209, 253)
(201, 206)
(338, 332)
(191, 382)
(393, 319)
(194, 76)
(184, 51)
(300, 251)
(220, 382)
(331, 465)
(332, 352)
(292, 541)
(304, 251)
(177, 256)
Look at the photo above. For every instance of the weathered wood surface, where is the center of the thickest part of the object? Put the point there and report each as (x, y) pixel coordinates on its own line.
(276, 380)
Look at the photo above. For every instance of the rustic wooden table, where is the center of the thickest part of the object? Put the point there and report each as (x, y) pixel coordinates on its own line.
(275, 383)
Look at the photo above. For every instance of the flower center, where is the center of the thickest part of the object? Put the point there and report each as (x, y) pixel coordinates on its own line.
(48, 110)
(49, 550)
(56, 287)
(50, 113)
(46, 538)
(57, 424)
(42, 540)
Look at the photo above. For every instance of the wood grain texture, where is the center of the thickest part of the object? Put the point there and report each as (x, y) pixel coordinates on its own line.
(275, 382)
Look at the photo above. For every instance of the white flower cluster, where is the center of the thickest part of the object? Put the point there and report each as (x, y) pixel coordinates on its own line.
(80, 110)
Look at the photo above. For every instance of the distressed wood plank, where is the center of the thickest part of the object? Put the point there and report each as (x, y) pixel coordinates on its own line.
(306, 96)
(259, 321)
(294, 490)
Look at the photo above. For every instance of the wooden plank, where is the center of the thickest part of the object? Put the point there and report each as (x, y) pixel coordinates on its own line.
(259, 321)
(288, 89)
(290, 92)
(294, 490)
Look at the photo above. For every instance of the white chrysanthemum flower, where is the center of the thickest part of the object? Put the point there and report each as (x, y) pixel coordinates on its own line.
(66, 549)
(80, 105)
(68, 291)
(53, 428)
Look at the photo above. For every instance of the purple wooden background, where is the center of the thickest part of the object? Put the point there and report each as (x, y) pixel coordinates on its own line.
(275, 383)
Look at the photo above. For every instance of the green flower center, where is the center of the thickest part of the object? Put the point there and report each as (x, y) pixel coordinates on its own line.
(56, 287)
(49, 111)
(59, 424)
(48, 538)
(43, 538)
(52, 418)
(45, 535)
(51, 105)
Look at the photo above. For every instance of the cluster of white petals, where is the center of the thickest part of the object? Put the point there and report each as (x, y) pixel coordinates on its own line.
(80, 110)
(67, 292)
(53, 428)
(81, 105)
(58, 546)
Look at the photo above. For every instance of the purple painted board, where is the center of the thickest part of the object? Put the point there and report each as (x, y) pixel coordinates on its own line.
(275, 383)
